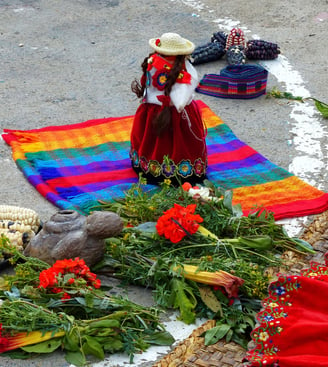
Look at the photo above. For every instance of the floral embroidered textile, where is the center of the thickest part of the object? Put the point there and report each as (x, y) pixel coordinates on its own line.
(169, 168)
(160, 79)
(293, 323)
(164, 66)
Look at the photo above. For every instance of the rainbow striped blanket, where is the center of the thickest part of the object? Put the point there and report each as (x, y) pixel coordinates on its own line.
(75, 166)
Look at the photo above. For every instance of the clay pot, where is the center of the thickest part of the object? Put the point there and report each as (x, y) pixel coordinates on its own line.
(69, 234)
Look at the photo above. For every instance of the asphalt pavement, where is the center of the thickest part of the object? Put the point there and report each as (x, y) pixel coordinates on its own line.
(64, 62)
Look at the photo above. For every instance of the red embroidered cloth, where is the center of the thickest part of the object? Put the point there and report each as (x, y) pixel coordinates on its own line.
(293, 324)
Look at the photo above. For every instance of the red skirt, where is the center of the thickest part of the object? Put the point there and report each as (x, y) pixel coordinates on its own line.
(179, 153)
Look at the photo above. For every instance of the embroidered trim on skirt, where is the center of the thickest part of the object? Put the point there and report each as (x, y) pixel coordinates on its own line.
(180, 152)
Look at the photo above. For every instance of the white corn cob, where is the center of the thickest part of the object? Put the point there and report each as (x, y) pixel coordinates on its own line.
(17, 238)
(14, 225)
(23, 215)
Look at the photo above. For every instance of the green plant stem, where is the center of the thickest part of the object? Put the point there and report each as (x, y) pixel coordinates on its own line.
(230, 242)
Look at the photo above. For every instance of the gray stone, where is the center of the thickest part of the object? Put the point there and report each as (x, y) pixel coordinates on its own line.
(69, 234)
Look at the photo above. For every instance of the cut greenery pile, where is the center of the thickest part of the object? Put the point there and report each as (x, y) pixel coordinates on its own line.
(216, 268)
(47, 308)
(190, 245)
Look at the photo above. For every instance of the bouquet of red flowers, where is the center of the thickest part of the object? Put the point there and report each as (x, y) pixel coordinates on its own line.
(68, 275)
(178, 222)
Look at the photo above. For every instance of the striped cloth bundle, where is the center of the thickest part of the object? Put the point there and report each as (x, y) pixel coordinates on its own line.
(76, 166)
(235, 81)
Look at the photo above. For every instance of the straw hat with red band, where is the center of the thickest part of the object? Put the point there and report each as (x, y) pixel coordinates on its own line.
(172, 44)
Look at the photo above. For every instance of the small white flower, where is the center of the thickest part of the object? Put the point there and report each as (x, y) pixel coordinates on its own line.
(203, 192)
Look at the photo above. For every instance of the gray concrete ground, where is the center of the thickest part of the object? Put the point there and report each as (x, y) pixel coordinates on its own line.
(64, 62)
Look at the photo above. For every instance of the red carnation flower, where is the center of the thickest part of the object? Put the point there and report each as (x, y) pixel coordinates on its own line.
(178, 221)
(54, 281)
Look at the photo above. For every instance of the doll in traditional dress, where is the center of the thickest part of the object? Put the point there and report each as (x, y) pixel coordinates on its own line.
(168, 134)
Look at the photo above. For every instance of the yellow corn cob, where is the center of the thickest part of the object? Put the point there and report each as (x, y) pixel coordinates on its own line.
(23, 215)
(17, 238)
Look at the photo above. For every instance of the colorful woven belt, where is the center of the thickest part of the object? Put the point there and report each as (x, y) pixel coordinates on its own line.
(235, 81)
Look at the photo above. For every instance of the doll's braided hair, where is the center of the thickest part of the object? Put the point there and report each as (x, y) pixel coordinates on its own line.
(163, 120)
(137, 87)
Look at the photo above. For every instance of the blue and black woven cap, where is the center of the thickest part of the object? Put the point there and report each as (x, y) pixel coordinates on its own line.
(235, 81)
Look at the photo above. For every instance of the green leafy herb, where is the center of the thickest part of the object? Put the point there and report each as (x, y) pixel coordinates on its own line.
(320, 106)
(227, 241)
(37, 323)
